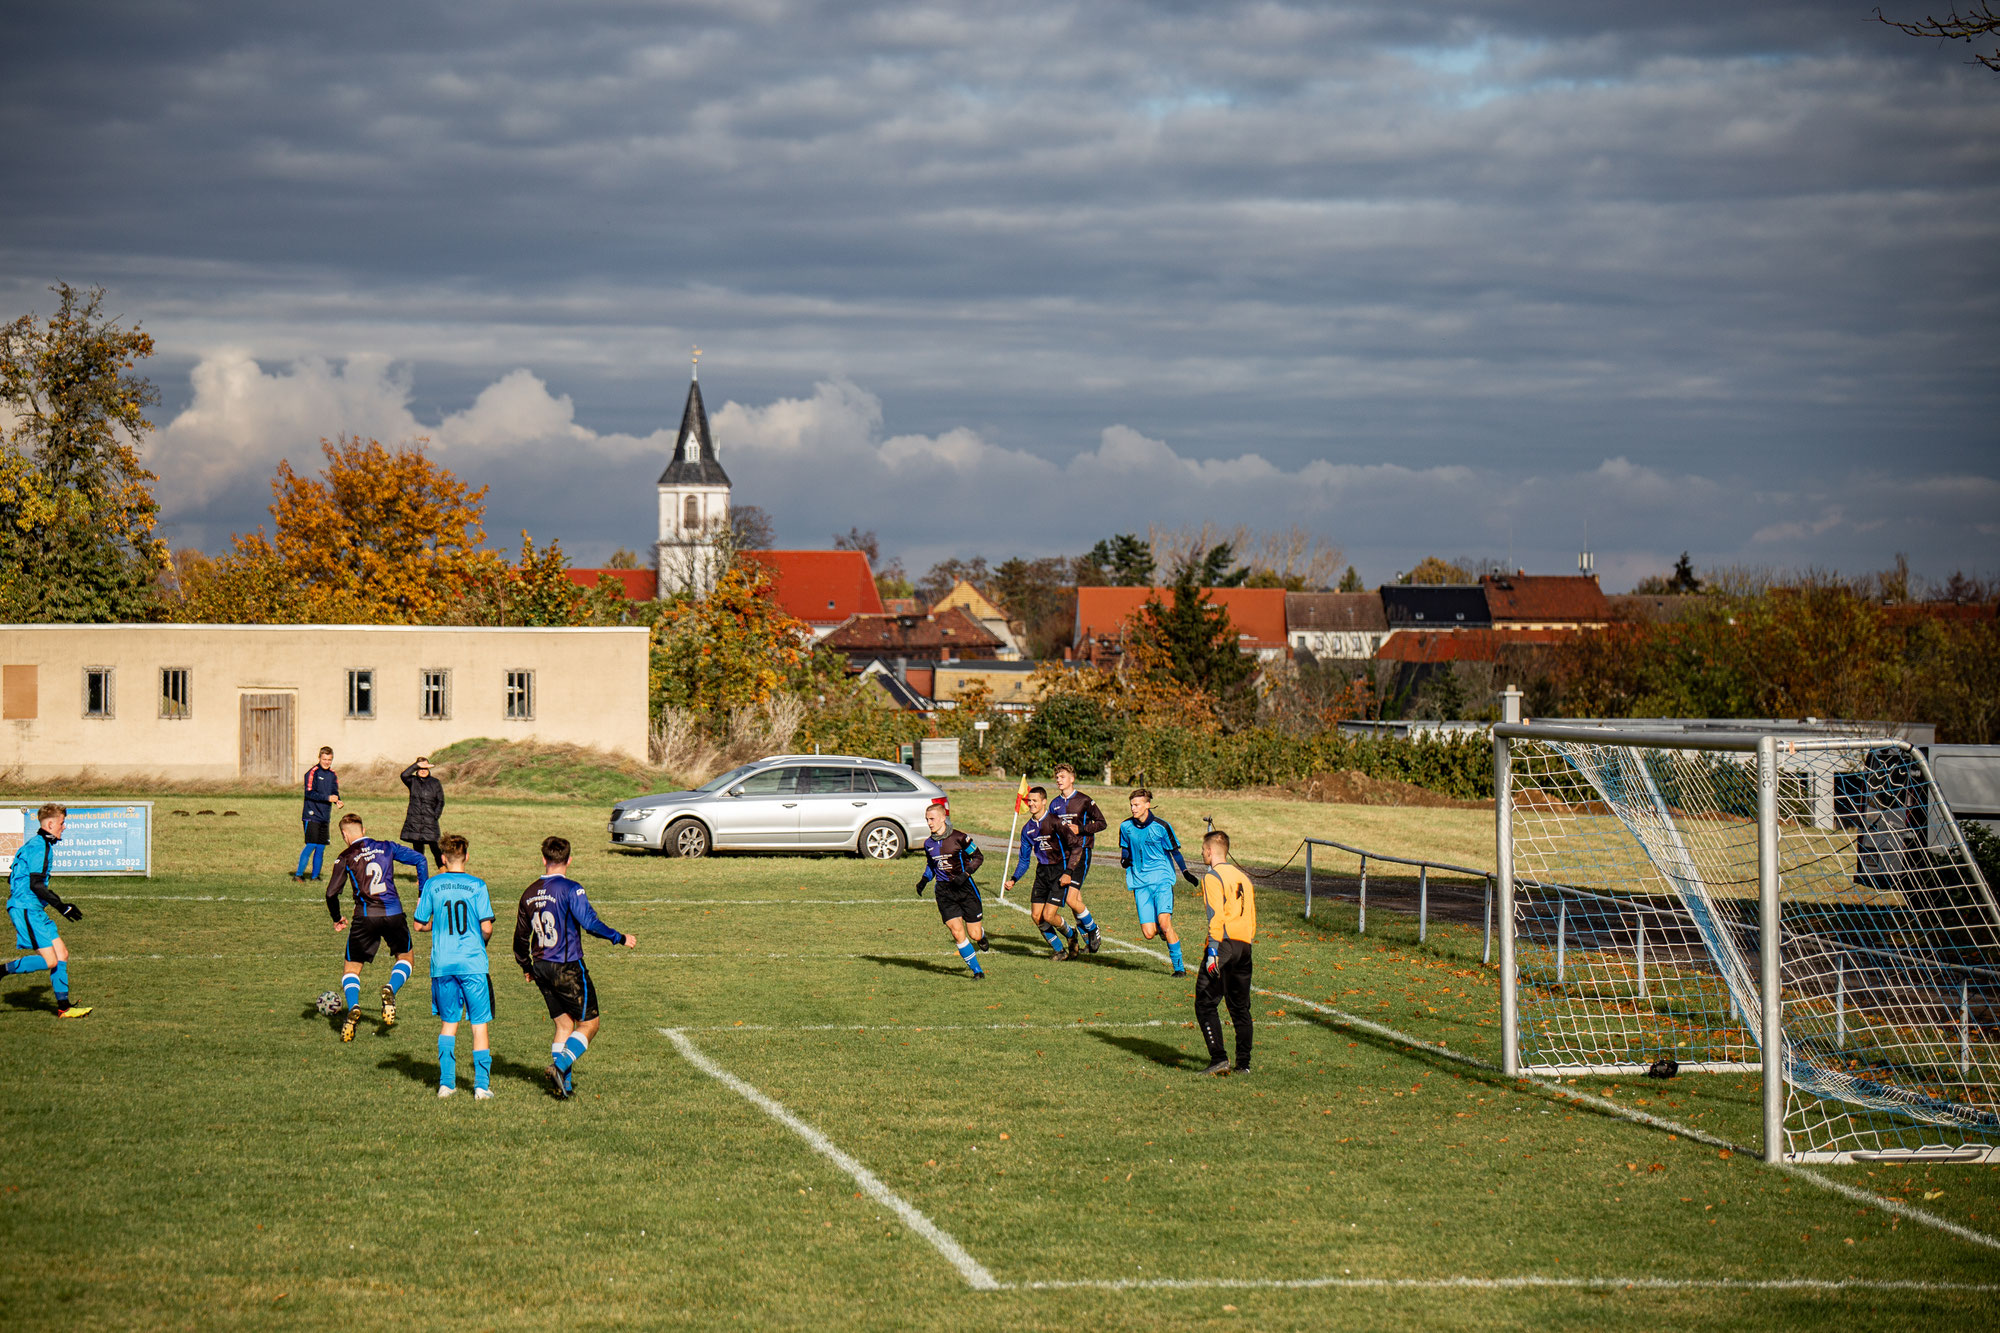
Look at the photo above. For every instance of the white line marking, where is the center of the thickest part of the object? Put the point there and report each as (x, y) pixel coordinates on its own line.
(961, 1027)
(969, 1268)
(1887, 1205)
(1527, 1283)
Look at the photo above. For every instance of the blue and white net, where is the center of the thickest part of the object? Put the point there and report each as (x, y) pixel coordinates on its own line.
(1637, 934)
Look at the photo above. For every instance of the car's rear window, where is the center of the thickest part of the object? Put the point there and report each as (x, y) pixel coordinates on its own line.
(771, 782)
(821, 781)
(887, 781)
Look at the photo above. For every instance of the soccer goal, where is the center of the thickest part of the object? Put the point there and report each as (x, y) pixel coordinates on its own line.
(1806, 909)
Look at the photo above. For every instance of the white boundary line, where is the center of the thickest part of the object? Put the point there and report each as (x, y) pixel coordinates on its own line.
(961, 1027)
(969, 1268)
(1887, 1205)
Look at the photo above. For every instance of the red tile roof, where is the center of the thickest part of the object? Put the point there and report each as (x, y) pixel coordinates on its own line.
(950, 631)
(1257, 613)
(1545, 599)
(1463, 645)
(822, 587)
(641, 585)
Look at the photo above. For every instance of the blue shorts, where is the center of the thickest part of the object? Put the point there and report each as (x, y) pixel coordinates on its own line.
(34, 928)
(462, 997)
(1153, 901)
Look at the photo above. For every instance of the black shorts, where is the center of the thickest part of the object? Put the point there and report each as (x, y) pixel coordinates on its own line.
(366, 934)
(315, 832)
(962, 903)
(566, 988)
(1049, 887)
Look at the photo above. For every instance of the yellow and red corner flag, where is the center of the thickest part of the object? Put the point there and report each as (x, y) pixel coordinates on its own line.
(1021, 797)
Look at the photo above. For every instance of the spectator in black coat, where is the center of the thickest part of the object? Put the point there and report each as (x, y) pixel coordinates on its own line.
(420, 824)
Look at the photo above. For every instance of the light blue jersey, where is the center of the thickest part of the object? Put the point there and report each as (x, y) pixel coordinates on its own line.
(1150, 854)
(456, 903)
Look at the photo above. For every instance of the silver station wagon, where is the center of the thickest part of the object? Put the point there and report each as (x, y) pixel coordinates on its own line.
(788, 802)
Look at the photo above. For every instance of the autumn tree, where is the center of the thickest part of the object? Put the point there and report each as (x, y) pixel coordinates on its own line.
(1431, 570)
(734, 648)
(76, 509)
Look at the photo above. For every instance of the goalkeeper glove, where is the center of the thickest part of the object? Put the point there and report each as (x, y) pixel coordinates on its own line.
(1209, 959)
(1191, 878)
(923, 881)
(70, 911)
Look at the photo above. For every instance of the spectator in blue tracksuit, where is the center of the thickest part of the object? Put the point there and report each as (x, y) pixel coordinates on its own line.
(322, 794)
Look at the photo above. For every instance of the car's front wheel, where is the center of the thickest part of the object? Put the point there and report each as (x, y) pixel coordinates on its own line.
(883, 841)
(685, 837)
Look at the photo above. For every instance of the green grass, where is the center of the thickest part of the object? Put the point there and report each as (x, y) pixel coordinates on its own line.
(202, 1152)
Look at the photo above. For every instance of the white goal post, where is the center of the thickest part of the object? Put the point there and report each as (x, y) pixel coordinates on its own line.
(1803, 908)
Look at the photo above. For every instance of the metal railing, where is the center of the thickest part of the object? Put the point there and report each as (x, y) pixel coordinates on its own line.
(1424, 869)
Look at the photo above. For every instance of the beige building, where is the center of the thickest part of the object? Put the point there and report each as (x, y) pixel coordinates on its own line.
(257, 701)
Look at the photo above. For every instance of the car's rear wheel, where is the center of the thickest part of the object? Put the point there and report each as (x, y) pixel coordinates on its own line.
(883, 841)
(685, 837)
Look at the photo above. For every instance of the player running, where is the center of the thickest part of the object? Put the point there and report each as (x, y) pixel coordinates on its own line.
(1151, 855)
(370, 864)
(1225, 963)
(1080, 815)
(28, 899)
(548, 946)
(1045, 839)
(456, 908)
(950, 862)
(322, 794)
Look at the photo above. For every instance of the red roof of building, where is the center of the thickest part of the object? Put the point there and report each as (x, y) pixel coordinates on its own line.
(1463, 645)
(641, 585)
(1573, 599)
(1257, 613)
(951, 632)
(822, 587)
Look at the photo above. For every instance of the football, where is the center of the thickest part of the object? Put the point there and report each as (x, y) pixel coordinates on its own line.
(329, 1003)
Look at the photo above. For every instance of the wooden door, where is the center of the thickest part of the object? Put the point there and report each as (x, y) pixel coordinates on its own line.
(266, 733)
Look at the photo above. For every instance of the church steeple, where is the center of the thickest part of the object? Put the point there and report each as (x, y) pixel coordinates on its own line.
(694, 505)
(694, 462)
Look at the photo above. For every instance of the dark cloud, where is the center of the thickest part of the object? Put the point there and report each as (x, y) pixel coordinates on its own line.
(1515, 240)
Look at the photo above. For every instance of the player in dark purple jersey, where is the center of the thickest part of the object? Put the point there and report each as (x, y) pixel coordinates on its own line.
(950, 861)
(554, 917)
(1047, 845)
(369, 864)
(1080, 815)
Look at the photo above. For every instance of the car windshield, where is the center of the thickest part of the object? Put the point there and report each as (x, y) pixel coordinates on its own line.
(726, 780)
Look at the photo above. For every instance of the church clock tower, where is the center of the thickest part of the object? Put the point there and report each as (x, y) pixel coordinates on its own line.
(694, 503)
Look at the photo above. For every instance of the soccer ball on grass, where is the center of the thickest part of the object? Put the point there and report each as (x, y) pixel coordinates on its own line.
(329, 1003)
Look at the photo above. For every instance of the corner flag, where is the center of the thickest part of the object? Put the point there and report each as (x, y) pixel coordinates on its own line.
(1021, 797)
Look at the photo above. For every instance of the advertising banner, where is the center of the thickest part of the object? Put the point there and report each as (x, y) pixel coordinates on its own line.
(97, 840)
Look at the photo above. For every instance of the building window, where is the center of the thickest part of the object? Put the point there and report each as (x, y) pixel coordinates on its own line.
(520, 696)
(437, 695)
(97, 692)
(361, 694)
(691, 513)
(176, 700)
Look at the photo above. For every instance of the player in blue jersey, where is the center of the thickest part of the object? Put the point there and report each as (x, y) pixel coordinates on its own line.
(370, 865)
(1046, 842)
(548, 945)
(1080, 815)
(322, 794)
(458, 912)
(950, 861)
(1151, 855)
(29, 899)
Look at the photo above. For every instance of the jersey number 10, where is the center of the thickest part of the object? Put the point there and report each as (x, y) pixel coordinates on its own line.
(458, 918)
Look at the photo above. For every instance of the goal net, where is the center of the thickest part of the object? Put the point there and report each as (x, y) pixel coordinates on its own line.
(1637, 935)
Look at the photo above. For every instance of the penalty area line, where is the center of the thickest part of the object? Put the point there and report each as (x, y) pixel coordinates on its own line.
(975, 1274)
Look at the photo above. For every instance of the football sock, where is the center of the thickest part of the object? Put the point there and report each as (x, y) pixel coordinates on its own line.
(34, 962)
(398, 974)
(1084, 921)
(61, 977)
(1174, 953)
(351, 986)
(571, 1051)
(482, 1068)
(970, 953)
(318, 853)
(447, 1061)
(1055, 940)
(305, 854)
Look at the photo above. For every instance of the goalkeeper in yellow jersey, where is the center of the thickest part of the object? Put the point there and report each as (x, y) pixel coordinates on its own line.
(1225, 963)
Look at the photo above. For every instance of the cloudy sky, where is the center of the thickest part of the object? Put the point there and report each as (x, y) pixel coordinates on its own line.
(994, 279)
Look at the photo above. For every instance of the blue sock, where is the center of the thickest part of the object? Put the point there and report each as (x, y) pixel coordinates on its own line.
(398, 974)
(1174, 953)
(34, 962)
(1084, 921)
(447, 1061)
(61, 977)
(352, 987)
(970, 953)
(305, 854)
(572, 1051)
(482, 1068)
(319, 854)
(1055, 940)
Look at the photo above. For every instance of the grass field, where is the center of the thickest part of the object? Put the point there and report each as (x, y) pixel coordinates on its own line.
(203, 1152)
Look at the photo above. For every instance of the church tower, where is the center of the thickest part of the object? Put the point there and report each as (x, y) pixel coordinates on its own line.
(694, 503)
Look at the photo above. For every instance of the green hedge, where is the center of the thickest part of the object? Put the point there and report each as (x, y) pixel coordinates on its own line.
(1460, 766)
